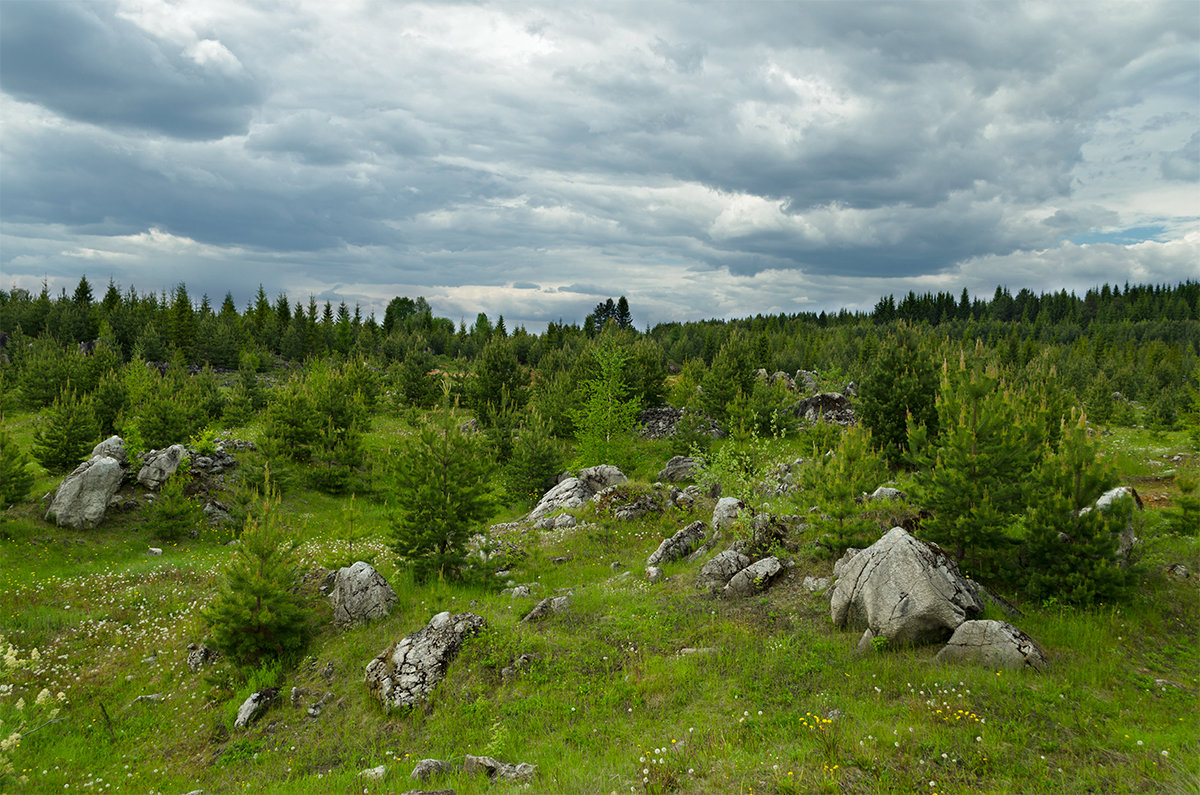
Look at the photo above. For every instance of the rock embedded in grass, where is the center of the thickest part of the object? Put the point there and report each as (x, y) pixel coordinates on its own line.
(428, 768)
(358, 594)
(717, 573)
(726, 512)
(407, 672)
(254, 706)
(499, 771)
(159, 465)
(755, 578)
(993, 644)
(551, 605)
(83, 496)
(678, 545)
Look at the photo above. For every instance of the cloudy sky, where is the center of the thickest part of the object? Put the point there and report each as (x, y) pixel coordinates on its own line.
(531, 159)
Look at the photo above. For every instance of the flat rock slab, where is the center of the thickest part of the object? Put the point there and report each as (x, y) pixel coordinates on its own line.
(903, 589)
(407, 672)
(993, 644)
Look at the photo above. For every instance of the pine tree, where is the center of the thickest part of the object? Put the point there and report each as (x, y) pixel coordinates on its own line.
(15, 478)
(623, 317)
(441, 496)
(65, 433)
(973, 478)
(1071, 549)
(174, 516)
(290, 427)
(257, 614)
(902, 382)
(497, 374)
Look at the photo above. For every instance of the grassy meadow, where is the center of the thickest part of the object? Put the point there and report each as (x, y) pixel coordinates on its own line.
(638, 688)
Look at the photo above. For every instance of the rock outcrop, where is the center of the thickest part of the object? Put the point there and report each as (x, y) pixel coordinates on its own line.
(678, 545)
(112, 447)
(754, 578)
(254, 706)
(498, 771)
(358, 593)
(832, 407)
(82, 497)
(678, 469)
(159, 465)
(550, 606)
(726, 512)
(904, 590)
(407, 672)
(574, 492)
(993, 644)
(717, 573)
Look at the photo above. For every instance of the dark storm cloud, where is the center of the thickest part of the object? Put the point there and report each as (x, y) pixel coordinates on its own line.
(713, 159)
(84, 62)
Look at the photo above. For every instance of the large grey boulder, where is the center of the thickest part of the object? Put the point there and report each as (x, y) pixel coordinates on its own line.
(112, 447)
(679, 468)
(158, 465)
(81, 498)
(993, 644)
(678, 545)
(904, 590)
(754, 578)
(832, 407)
(359, 593)
(406, 672)
(717, 573)
(726, 512)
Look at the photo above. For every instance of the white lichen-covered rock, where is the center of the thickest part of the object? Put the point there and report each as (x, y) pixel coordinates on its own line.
(159, 465)
(754, 578)
(406, 672)
(112, 447)
(359, 593)
(886, 493)
(816, 584)
(726, 512)
(717, 573)
(498, 771)
(678, 545)
(254, 706)
(993, 644)
(374, 773)
(428, 768)
(904, 590)
(82, 497)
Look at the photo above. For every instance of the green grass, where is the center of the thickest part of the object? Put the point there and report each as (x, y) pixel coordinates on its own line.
(780, 705)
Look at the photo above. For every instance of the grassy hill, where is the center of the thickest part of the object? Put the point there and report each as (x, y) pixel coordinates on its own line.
(639, 687)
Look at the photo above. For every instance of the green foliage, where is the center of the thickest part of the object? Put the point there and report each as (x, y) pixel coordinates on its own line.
(855, 468)
(290, 426)
(15, 478)
(46, 370)
(66, 433)
(973, 478)
(738, 464)
(174, 516)
(607, 410)
(901, 383)
(498, 381)
(257, 614)
(109, 400)
(166, 416)
(1184, 517)
(1071, 549)
(413, 380)
(537, 459)
(729, 376)
(440, 487)
(684, 392)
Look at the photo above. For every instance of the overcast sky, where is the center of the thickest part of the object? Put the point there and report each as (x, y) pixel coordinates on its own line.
(531, 159)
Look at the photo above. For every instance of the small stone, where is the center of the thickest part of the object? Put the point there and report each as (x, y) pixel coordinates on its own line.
(374, 773)
(155, 551)
(428, 768)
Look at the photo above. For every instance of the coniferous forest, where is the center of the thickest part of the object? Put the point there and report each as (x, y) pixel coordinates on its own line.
(579, 491)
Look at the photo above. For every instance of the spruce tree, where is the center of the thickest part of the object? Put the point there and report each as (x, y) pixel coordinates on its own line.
(15, 478)
(257, 614)
(65, 433)
(441, 496)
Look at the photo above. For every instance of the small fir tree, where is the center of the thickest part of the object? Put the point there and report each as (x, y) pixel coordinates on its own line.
(15, 478)
(902, 382)
(1071, 549)
(174, 515)
(537, 458)
(65, 433)
(441, 495)
(257, 613)
(607, 410)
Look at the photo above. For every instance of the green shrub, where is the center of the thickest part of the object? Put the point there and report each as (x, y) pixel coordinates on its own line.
(15, 478)
(65, 433)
